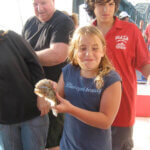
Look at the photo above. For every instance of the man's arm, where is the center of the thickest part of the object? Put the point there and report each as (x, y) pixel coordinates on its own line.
(146, 72)
(145, 36)
(146, 33)
(56, 54)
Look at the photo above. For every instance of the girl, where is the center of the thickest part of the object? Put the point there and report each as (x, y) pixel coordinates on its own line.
(92, 92)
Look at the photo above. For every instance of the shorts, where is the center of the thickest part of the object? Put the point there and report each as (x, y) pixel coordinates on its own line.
(122, 138)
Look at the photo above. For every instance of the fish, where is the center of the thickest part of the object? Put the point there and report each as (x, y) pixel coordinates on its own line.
(44, 88)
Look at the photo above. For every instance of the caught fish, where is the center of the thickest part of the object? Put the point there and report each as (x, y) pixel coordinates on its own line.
(44, 88)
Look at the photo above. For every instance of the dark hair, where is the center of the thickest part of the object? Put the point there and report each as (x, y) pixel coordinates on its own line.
(90, 6)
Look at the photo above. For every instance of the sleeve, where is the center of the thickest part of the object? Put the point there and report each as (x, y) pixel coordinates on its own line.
(66, 72)
(63, 31)
(142, 56)
(29, 57)
(23, 31)
(111, 78)
(27, 24)
(24, 28)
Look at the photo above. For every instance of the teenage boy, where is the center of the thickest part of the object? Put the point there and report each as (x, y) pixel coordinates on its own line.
(127, 51)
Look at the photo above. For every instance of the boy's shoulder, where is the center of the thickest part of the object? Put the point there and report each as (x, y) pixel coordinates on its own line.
(127, 27)
(125, 24)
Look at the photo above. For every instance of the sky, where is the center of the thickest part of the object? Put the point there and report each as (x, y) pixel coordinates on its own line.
(14, 13)
(134, 2)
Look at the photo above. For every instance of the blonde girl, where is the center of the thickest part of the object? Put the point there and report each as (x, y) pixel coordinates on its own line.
(90, 93)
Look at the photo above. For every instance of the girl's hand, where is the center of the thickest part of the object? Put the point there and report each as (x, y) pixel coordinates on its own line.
(54, 84)
(64, 106)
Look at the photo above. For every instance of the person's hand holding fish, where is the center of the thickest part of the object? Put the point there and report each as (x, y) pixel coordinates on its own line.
(46, 88)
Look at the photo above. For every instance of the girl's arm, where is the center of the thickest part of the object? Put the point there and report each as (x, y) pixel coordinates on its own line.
(108, 109)
(60, 86)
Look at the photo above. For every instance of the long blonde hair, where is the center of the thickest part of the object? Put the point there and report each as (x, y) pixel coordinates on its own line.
(105, 66)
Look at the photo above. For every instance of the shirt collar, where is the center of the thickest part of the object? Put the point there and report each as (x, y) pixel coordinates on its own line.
(117, 23)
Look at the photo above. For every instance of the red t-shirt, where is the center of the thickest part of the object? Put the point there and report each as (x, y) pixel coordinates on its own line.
(127, 51)
(147, 32)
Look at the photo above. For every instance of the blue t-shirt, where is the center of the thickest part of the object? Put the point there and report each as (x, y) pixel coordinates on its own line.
(82, 92)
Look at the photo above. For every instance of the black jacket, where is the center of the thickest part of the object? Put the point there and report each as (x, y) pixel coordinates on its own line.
(19, 71)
